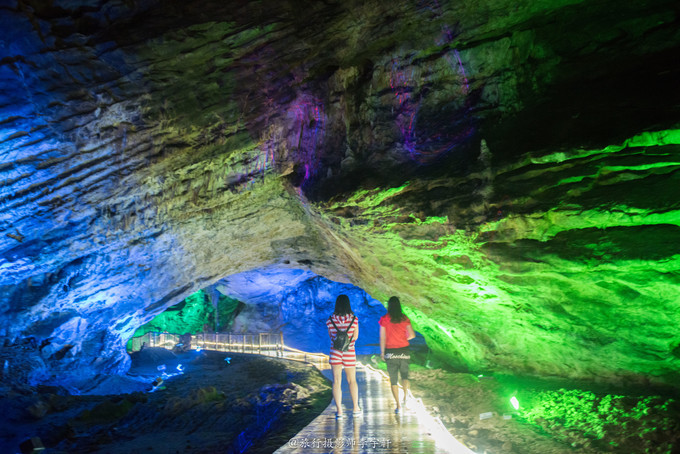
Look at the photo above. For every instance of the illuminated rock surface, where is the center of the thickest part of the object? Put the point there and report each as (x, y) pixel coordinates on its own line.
(510, 171)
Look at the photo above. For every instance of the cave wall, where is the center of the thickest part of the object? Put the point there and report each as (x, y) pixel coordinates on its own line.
(509, 170)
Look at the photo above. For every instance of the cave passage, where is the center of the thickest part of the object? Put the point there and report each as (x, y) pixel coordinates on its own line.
(294, 302)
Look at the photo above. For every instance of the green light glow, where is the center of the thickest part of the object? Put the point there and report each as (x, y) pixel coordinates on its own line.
(552, 222)
(569, 414)
(646, 139)
(376, 197)
(611, 169)
(556, 263)
(432, 219)
(446, 331)
(514, 402)
(191, 315)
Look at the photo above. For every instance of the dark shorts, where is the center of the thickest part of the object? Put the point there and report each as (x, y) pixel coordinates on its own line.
(397, 360)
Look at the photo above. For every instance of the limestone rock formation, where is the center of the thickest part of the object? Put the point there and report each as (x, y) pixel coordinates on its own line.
(510, 170)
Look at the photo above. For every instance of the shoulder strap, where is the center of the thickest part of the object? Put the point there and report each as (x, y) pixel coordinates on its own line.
(348, 327)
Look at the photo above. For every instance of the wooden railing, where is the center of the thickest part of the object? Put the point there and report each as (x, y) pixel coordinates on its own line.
(267, 344)
(318, 360)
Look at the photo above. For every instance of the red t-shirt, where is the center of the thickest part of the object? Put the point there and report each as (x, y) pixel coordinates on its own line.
(395, 333)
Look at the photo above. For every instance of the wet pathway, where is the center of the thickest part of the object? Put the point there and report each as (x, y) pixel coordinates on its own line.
(378, 430)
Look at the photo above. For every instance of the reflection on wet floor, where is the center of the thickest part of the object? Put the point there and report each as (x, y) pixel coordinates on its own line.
(378, 430)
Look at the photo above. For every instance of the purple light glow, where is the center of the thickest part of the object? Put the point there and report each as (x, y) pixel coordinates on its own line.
(453, 57)
(403, 82)
(466, 85)
(425, 148)
(400, 83)
(310, 122)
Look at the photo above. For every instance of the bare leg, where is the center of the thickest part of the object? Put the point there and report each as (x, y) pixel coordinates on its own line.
(337, 386)
(395, 393)
(406, 385)
(351, 373)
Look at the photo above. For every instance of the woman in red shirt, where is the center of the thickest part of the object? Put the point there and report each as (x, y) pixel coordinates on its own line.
(344, 319)
(395, 332)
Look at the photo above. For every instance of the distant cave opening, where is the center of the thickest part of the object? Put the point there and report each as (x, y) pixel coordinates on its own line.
(293, 302)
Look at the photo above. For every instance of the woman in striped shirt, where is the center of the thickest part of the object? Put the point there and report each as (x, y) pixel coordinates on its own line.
(344, 319)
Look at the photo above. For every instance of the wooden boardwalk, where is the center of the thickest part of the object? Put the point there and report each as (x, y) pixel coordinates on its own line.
(378, 430)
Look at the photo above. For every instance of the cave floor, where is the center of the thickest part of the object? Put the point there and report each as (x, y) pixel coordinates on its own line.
(378, 429)
(243, 403)
(222, 403)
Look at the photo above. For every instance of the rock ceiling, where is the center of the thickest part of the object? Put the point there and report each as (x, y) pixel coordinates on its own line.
(511, 171)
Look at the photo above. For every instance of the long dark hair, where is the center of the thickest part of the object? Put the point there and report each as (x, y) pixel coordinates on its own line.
(342, 306)
(394, 310)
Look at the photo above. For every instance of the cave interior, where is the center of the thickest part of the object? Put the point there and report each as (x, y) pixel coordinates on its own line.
(509, 170)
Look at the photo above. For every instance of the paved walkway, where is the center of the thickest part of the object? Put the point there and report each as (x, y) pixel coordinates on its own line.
(378, 430)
